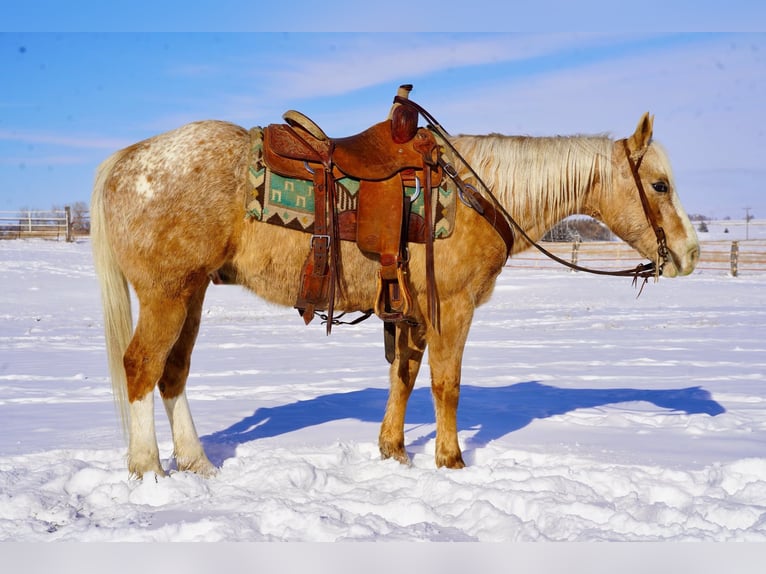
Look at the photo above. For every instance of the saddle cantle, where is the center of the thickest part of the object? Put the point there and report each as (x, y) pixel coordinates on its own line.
(385, 158)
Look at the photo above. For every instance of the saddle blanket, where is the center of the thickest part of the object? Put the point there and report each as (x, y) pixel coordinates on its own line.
(289, 202)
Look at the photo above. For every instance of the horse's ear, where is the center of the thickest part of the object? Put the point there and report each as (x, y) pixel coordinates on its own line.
(639, 141)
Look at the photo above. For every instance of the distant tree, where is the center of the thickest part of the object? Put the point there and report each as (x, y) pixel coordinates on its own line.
(703, 227)
(579, 228)
(80, 219)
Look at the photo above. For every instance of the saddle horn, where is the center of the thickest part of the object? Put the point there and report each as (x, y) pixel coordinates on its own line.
(404, 120)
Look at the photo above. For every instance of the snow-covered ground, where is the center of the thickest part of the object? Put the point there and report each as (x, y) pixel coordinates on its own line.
(586, 414)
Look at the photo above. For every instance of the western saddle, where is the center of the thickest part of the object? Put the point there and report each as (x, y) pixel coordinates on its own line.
(385, 159)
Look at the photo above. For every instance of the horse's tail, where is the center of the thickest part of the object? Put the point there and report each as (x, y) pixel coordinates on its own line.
(115, 297)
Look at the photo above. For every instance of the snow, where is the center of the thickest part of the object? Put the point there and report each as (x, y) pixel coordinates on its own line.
(586, 414)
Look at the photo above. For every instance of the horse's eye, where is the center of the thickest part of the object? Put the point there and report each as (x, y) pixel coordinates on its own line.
(660, 187)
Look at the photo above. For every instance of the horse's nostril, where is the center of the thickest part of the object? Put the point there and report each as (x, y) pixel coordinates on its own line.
(687, 264)
(694, 255)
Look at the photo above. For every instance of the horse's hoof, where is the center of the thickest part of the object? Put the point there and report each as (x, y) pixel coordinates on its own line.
(398, 454)
(453, 461)
(138, 468)
(139, 474)
(202, 467)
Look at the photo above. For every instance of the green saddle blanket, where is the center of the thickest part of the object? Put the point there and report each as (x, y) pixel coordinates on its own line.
(289, 202)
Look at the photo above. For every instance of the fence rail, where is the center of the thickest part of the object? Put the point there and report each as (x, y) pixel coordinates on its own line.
(54, 224)
(732, 257)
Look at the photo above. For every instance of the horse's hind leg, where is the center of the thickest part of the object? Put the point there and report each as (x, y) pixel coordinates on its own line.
(410, 346)
(188, 450)
(160, 321)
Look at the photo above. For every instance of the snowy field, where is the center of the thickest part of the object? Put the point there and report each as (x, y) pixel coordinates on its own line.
(586, 415)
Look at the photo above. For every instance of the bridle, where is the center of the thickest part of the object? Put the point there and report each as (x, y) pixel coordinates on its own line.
(472, 198)
(659, 232)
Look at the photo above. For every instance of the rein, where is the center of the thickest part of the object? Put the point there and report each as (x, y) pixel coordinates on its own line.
(473, 199)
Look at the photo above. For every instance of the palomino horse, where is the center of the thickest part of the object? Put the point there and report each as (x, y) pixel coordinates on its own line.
(170, 211)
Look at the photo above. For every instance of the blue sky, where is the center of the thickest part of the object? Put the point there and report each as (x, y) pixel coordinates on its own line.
(68, 100)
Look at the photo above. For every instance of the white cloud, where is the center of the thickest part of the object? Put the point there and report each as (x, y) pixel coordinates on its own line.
(707, 99)
(356, 62)
(58, 139)
(51, 160)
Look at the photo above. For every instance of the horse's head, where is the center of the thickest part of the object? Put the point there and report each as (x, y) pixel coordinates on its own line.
(639, 158)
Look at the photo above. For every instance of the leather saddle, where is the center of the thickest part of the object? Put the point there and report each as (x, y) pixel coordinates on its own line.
(385, 158)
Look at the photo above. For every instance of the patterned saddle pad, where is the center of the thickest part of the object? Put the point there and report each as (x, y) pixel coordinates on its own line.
(289, 202)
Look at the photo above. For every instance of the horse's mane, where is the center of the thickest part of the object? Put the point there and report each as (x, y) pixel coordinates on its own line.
(539, 175)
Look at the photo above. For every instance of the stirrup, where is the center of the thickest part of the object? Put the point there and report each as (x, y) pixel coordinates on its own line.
(392, 298)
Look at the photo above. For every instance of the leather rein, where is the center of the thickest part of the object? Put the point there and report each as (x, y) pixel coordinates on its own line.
(471, 197)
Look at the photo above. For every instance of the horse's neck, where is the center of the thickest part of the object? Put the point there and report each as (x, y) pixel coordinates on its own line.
(540, 181)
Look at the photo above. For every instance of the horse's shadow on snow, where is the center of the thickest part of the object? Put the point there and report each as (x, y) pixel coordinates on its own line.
(491, 411)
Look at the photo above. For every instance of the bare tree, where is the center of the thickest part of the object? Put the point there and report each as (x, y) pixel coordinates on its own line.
(80, 219)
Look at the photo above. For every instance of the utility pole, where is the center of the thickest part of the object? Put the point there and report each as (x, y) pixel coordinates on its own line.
(747, 222)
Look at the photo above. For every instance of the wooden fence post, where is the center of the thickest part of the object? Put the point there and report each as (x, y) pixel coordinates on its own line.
(575, 250)
(68, 222)
(734, 258)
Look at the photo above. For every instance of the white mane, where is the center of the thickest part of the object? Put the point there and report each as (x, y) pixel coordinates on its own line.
(539, 178)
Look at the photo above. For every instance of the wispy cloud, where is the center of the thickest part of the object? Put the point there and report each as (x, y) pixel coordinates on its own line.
(332, 65)
(57, 139)
(680, 83)
(706, 91)
(364, 61)
(706, 95)
(50, 160)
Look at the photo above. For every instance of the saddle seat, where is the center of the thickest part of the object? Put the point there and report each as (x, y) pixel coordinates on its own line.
(372, 155)
(384, 159)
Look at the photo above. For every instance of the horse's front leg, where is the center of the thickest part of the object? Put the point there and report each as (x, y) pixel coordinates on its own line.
(410, 345)
(445, 350)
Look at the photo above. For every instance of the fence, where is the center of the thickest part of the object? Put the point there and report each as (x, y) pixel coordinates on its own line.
(734, 257)
(55, 224)
(731, 257)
